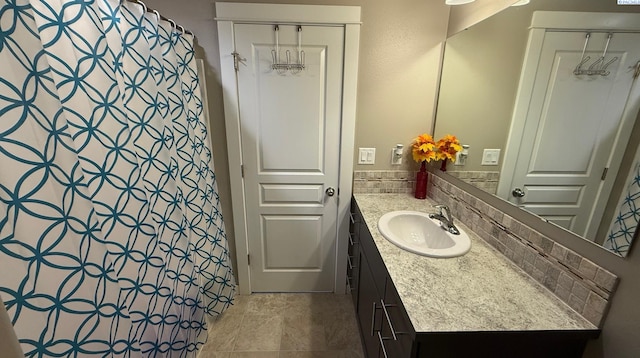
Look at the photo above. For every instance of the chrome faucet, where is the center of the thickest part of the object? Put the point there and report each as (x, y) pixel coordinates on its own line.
(446, 221)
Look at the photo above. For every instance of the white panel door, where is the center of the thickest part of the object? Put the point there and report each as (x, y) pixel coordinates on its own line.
(290, 124)
(572, 126)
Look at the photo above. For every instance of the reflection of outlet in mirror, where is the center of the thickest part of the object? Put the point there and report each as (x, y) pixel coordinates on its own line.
(367, 156)
(461, 156)
(490, 156)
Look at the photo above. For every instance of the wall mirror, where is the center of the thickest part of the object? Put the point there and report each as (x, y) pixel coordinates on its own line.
(549, 116)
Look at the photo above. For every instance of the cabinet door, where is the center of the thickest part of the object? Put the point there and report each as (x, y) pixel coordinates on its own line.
(369, 312)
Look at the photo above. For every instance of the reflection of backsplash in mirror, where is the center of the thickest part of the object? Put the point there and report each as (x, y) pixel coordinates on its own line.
(582, 284)
(480, 79)
(485, 180)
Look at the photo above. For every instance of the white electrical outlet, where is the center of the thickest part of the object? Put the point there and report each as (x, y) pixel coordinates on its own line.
(396, 154)
(367, 156)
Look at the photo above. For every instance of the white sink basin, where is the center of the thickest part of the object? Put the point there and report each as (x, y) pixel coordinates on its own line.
(416, 232)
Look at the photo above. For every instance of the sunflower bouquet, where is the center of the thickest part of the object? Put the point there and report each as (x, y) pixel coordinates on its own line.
(425, 149)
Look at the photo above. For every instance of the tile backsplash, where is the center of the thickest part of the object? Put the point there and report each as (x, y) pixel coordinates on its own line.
(582, 284)
(383, 181)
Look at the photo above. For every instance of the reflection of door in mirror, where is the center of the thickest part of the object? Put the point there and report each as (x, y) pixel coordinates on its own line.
(569, 126)
(480, 78)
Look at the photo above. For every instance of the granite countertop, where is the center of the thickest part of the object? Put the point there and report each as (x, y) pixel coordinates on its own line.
(479, 291)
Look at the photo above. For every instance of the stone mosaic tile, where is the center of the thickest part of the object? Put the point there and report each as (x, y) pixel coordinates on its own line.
(383, 181)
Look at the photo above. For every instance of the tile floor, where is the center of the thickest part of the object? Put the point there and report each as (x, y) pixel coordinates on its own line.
(285, 325)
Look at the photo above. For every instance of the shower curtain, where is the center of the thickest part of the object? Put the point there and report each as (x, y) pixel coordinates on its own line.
(624, 227)
(111, 239)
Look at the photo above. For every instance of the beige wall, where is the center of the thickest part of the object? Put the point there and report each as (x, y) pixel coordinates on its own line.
(400, 51)
(479, 84)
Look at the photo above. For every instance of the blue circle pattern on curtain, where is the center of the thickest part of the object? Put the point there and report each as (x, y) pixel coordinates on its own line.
(625, 224)
(110, 223)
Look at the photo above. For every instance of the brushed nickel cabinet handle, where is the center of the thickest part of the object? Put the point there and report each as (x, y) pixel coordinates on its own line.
(373, 317)
(386, 314)
(351, 242)
(384, 349)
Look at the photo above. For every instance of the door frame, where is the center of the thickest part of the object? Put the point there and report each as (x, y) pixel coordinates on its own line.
(228, 14)
(541, 22)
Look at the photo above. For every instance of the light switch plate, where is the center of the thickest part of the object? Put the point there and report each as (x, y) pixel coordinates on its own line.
(367, 156)
(490, 156)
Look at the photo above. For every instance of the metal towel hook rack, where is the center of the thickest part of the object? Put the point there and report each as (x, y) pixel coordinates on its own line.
(598, 67)
(283, 67)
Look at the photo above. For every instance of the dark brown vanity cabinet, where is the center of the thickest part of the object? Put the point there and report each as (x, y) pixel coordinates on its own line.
(385, 329)
(387, 332)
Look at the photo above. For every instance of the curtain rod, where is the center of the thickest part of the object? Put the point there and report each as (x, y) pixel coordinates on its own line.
(148, 9)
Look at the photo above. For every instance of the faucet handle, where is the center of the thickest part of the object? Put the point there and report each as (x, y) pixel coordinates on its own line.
(440, 207)
(447, 211)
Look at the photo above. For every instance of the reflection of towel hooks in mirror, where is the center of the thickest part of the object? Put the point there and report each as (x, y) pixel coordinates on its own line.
(579, 70)
(583, 60)
(603, 70)
(283, 67)
(598, 67)
(636, 69)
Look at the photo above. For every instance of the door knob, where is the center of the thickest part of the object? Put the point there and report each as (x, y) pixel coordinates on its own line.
(330, 191)
(518, 193)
